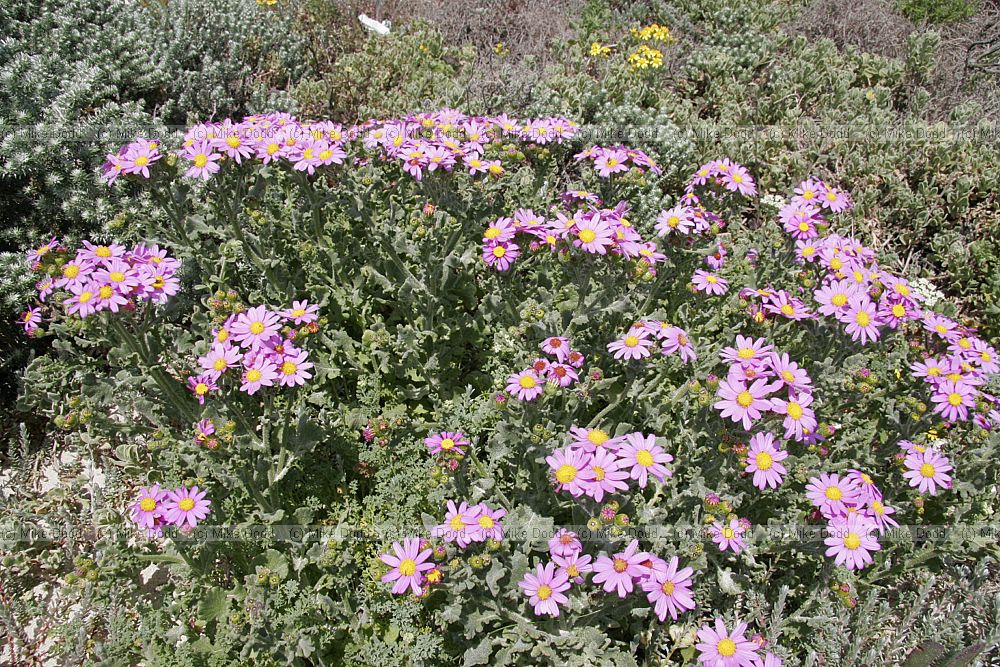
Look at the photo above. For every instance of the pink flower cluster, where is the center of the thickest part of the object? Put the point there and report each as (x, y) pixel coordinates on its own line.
(422, 143)
(756, 372)
(855, 512)
(463, 524)
(926, 468)
(595, 464)
(182, 507)
(719, 647)
(103, 277)
(598, 231)
(252, 342)
(666, 585)
(609, 160)
(561, 369)
(639, 341)
(724, 174)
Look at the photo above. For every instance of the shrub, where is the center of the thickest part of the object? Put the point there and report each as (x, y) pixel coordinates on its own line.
(429, 375)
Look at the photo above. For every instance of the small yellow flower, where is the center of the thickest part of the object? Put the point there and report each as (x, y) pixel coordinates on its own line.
(599, 50)
(645, 58)
(654, 33)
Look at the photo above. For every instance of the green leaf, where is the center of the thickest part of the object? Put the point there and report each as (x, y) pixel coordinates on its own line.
(214, 604)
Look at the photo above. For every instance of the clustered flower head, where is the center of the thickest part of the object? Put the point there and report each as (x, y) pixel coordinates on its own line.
(100, 277)
(252, 343)
(643, 337)
(463, 525)
(665, 584)
(598, 231)
(855, 512)
(653, 32)
(155, 508)
(421, 143)
(618, 159)
(645, 57)
(561, 369)
(595, 464)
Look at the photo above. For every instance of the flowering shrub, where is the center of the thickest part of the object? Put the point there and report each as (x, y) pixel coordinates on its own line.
(711, 438)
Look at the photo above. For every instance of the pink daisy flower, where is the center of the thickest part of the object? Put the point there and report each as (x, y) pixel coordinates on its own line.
(294, 369)
(148, 507)
(709, 283)
(593, 235)
(545, 588)
(500, 231)
(574, 566)
(720, 648)
(557, 346)
(202, 385)
(607, 475)
(459, 525)
(833, 297)
(677, 340)
(500, 255)
(256, 327)
(204, 160)
(408, 565)
(221, 357)
(592, 439)
(562, 374)
(564, 543)
(525, 386)
(185, 506)
(952, 400)
(927, 471)
(788, 373)
(633, 345)
(670, 591)
(570, 468)
(800, 420)
(447, 441)
(741, 403)
(728, 536)
(83, 300)
(832, 494)
(618, 572)
(645, 458)
(488, 525)
(30, 319)
(764, 461)
(851, 540)
(748, 351)
(260, 372)
(301, 312)
(861, 318)
(676, 220)
(611, 161)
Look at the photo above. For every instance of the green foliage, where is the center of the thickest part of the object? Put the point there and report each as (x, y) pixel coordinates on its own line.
(937, 11)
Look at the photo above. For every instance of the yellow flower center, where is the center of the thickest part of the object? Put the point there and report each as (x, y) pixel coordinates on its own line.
(201, 389)
(927, 470)
(566, 473)
(408, 567)
(222, 336)
(808, 251)
(599, 473)
(186, 504)
(158, 282)
(116, 276)
(71, 271)
(85, 296)
(447, 443)
(253, 375)
(288, 368)
(866, 478)
(964, 343)
(787, 309)
(486, 522)
(955, 399)
(794, 410)
(863, 318)
(836, 264)
(587, 235)
(728, 533)
(147, 505)
(631, 341)
(902, 289)
(499, 251)
(744, 399)
(573, 570)
(597, 437)
(834, 493)
(103, 251)
(787, 376)
(544, 592)
(852, 541)
(745, 353)
(105, 291)
(803, 226)
(220, 364)
(233, 141)
(141, 161)
(878, 507)
(726, 648)
(839, 300)
(667, 587)
(934, 371)
(200, 160)
(492, 232)
(644, 458)
(527, 382)
(620, 565)
(711, 280)
(898, 310)
(257, 328)
(764, 461)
